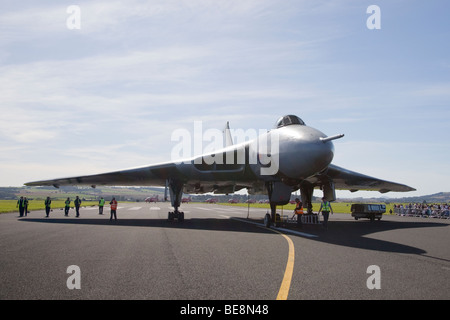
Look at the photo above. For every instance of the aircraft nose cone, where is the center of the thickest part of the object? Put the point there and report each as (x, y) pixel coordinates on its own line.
(324, 155)
(303, 153)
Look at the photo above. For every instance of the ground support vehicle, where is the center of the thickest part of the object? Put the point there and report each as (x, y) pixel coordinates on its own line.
(367, 210)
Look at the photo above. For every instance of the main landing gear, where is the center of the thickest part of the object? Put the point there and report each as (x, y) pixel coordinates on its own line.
(280, 194)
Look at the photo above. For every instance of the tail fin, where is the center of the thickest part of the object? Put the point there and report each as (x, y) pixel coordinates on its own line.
(228, 140)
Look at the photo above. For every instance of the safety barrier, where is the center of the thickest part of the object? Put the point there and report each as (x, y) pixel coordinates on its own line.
(423, 213)
(310, 219)
(305, 218)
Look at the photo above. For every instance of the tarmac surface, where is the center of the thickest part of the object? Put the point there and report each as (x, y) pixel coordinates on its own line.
(219, 253)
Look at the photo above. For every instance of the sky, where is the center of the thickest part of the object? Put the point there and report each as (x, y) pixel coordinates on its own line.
(103, 87)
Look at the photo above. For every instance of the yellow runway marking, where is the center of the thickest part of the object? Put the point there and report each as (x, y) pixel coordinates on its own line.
(286, 283)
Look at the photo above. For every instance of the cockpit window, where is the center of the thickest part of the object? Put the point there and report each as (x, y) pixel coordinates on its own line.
(289, 120)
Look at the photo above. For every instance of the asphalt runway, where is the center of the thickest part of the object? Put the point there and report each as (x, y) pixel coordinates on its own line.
(217, 253)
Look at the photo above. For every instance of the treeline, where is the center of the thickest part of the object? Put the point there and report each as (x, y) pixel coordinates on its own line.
(9, 193)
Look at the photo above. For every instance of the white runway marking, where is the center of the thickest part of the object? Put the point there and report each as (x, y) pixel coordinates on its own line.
(303, 234)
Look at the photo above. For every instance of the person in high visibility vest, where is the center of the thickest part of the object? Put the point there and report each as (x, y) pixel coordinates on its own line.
(77, 203)
(21, 205)
(101, 203)
(298, 211)
(47, 206)
(67, 207)
(325, 207)
(299, 206)
(113, 204)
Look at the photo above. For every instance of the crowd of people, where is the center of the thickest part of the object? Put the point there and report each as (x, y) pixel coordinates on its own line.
(22, 204)
(423, 210)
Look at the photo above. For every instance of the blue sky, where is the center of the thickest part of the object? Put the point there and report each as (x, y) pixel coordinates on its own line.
(109, 95)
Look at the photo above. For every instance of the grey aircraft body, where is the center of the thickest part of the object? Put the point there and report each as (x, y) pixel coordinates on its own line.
(290, 157)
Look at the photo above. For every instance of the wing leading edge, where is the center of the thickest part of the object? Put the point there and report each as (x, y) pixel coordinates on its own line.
(344, 179)
(153, 175)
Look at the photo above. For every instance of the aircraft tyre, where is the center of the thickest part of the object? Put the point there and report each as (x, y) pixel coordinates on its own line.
(267, 220)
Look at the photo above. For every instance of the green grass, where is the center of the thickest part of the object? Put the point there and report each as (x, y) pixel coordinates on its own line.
(10, 205)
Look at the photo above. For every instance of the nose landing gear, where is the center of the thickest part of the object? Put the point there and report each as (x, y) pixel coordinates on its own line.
(176, 192)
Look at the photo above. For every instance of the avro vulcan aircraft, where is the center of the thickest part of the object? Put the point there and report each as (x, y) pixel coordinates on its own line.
(295, 157)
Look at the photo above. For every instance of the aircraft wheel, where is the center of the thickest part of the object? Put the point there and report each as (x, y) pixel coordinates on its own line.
(267, 220)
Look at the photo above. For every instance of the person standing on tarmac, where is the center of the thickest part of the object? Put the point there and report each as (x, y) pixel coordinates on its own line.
(25, 206)
(325, 207)
(101, 203)
(77, 203)
(21, 205)
(47, 206)
(67, 207)
(113, 204)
